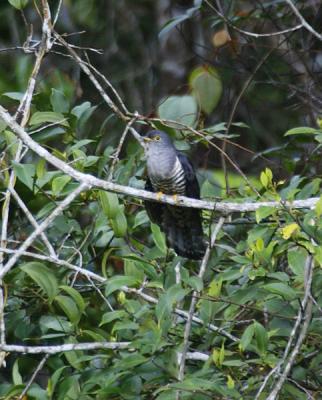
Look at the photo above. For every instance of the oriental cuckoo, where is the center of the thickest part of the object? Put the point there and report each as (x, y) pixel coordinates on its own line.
(170, 172)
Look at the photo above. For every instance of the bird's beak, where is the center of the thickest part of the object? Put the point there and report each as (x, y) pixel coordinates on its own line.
(147, 140)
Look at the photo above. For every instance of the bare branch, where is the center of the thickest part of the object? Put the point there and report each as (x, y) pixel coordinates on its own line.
(92, 276)
(193, 303)
(256, 35)
(44, 225)
(304, 23)
(33, 376)
(306, 315)
(12, 348)
(32, 220)
(181, 201)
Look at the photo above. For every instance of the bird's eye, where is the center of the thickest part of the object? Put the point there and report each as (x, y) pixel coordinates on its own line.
(157, 138)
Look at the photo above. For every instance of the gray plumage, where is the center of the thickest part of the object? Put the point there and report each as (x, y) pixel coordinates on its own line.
(170, 172)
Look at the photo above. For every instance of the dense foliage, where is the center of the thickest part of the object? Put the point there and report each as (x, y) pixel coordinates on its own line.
(101, 272)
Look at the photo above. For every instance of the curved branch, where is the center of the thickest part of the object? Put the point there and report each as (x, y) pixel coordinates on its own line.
(181, 201)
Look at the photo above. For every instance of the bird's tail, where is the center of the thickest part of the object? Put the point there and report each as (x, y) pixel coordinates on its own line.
(184, 232)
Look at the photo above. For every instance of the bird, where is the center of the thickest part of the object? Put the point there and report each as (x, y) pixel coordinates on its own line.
(170, 172)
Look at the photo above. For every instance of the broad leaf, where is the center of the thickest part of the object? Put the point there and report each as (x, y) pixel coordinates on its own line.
(43, 276)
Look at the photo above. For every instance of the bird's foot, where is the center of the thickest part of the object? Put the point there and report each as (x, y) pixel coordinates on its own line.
(175, 198)
(159, 195)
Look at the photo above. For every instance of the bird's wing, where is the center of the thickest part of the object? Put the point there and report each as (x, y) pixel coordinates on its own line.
(192, 185)
(153, 209)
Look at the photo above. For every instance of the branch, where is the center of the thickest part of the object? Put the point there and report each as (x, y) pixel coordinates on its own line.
(33, 377)
(44, 225)
(306, 305)
(304, 23)
(12, 348)
(32, 220)
(306, 315)
(91, 181)
(193, 303)
(92, 276)
(256, 35)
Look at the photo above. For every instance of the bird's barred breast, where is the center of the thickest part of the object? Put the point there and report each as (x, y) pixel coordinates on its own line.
(174, 184)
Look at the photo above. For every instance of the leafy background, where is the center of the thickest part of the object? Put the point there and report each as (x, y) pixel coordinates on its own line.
(179, 61)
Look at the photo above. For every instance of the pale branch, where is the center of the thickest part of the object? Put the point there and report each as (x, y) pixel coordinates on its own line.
(13, 348)
(181, 201)
(253, 34)
(306, 315)
(33, 376)
(93, 276)
(126, 115)
(32, 220)
(22, 116)
(193, 303)
(87, 71)
(44, 225)
(118, 149)
(305, 24)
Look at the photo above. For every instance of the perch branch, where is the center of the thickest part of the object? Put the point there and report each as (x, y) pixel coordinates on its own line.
(12, 348)
(90, 181)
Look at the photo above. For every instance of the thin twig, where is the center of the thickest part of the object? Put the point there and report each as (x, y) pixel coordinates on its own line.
(118, 149)
(306, 316)
(93, 276)
(32, 220)
(193, 303)
(305, 24)
(33, 377)
(253, 34)
(44, 225)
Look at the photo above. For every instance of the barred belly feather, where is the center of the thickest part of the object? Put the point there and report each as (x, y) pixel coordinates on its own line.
(174, 183)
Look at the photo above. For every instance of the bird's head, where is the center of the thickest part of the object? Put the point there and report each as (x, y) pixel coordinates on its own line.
(157, 140)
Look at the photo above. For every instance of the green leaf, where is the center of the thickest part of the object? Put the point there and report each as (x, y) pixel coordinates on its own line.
(43, 276)
(14, 95)
(247, 337)
(301, 130)
(58, 101)
(282, 290)
(296, 260)
(173, 295)
(41, 117)
(196, 283)
(68, 305)
(112, 316)
(48, 134)
(318, 207)
(261, 338)
(18, 4)
(206, 87)
(11, 140)
(289, 230)
(158, 238)
(16, 376)
(116, 283)
(109, 202)
(26, 173)
(182, 109)
(78, 111)
(75, 295)
(59, 183)
(264, 212)
(119, 223)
